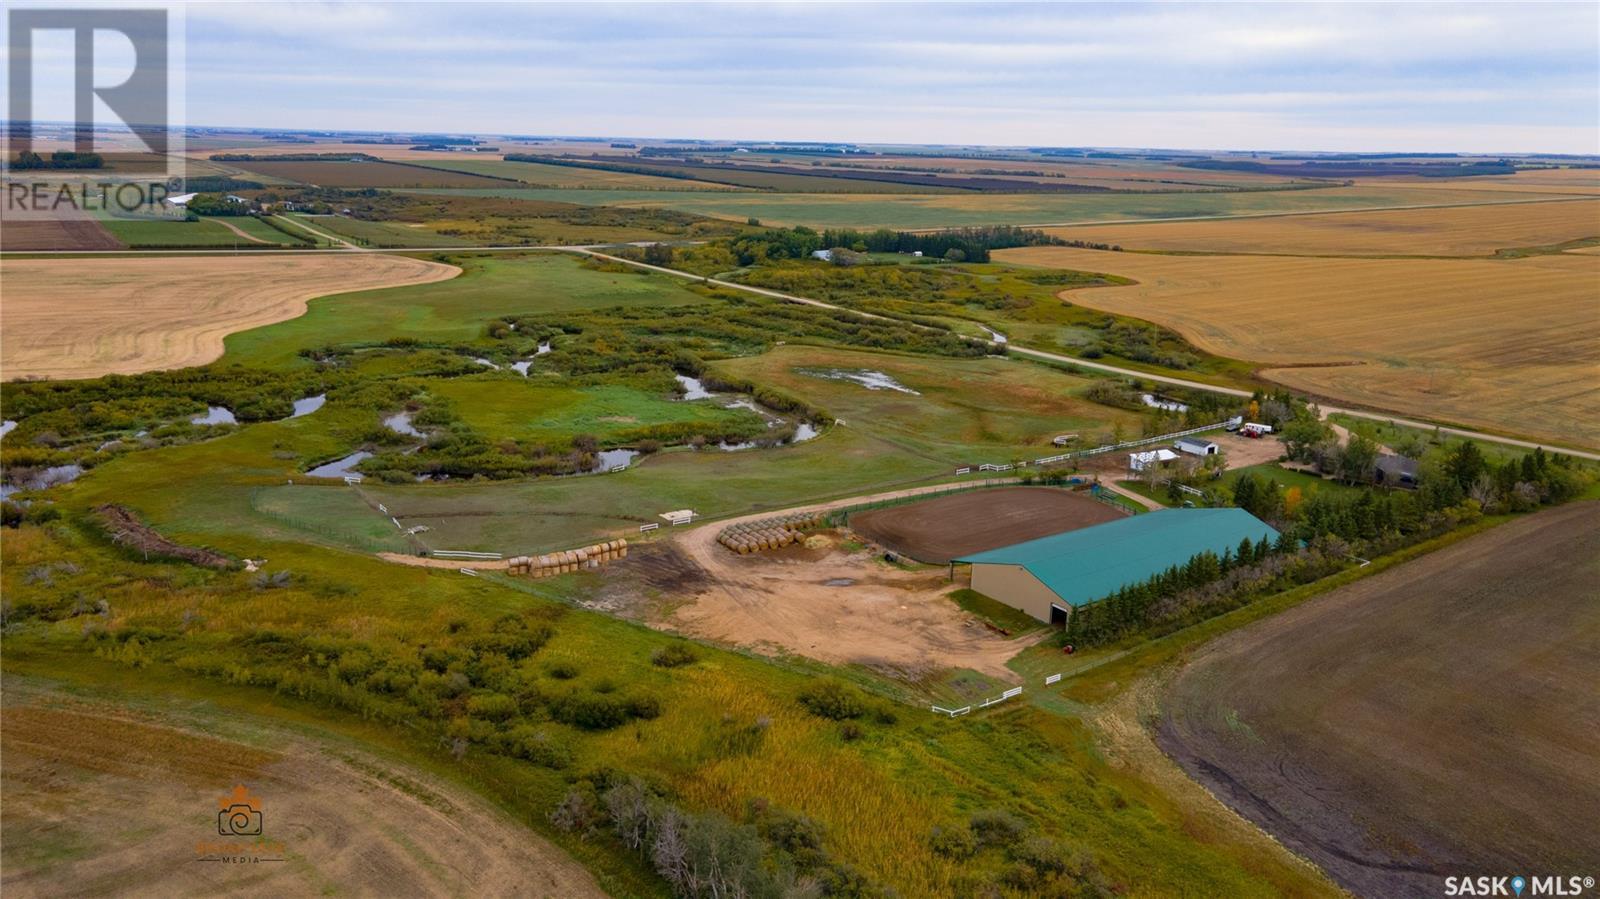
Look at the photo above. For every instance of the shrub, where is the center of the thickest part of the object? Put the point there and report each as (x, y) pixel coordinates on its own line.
(674, 656)
(645, 708)
(851, 732)
(492, 706)
(832, 700)
(952, 842)
(577, 813)
(563, 671)
(589, 711)
(996, 826)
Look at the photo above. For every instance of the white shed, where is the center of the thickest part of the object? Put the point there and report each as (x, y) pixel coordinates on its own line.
(1194, 446)
(1148, 458)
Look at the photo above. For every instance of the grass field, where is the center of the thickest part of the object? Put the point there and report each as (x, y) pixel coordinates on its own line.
(365, 174)
(1306, 483)
(506, 405)
(176, 234)
(1501, 344)
(1430, 719)
(261, 231)
(81, 318)
(385, 234)
(952, 210)
(1459, 231)
(457, 309)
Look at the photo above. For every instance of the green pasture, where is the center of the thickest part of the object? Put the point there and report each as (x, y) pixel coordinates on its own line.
(260, 230)
(568, 177)
(386, 234)
(175, 234)
(502, 405)
(1308, 483)
(458, 309)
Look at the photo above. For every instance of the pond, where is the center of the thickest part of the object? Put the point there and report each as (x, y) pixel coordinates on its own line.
(308, 405)
(46, 477)
(605, 460)
(994, 335)
(872, 380)
(338, 468)
(400, 423)
(482, 361)
(544, 348)
(6, 426)
(215, 415)
(521, 368)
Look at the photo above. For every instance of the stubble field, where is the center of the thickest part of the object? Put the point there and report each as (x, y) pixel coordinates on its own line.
(1435, 719)
(82, 318)
(1506, 345)
(1449, 231)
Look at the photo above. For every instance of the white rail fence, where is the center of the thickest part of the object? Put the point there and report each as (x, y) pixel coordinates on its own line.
(466, 554)
(1052, 679)
(1080, 454)
(951, 712)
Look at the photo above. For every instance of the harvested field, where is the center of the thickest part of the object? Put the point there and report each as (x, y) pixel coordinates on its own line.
(83, 820)
(1506, 344)
(20, 236)
(82, 318)
(938, 530)
(366, 174)
(1435, 719)
(1450, 231)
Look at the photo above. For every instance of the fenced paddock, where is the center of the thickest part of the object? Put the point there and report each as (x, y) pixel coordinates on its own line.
(958, 524)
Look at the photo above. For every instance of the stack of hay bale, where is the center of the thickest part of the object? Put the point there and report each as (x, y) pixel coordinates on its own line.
(769, 533)
(568, 561)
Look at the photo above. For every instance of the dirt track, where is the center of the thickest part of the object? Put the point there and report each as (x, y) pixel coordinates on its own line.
(101, 800)
(938, 530)
(82, 318)
(1435, 719)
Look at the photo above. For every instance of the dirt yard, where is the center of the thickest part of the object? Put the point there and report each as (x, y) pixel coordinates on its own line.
(102, 800)
(938, 530)
(832, 604)
(82, 318)
(1435, 719)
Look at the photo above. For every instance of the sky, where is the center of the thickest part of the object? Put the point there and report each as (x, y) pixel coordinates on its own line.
(1475, 77)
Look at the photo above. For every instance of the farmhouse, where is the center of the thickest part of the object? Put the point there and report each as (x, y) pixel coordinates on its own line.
(1194, 446)
(1395, 471)
(1049, 577)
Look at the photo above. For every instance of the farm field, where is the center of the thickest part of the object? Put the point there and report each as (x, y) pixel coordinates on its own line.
(134, 315)
(569, 177)
(385, 234)
(261, 232)
(363, 173)
(1501, 344)
(20, 236)
(1454, 231)
(173, 761)
(913, 211)
(174, 234)
(458, 308)
(937, 530)
(1432, 719)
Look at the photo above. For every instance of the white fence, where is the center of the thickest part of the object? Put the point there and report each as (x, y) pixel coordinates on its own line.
(952, 712)
(1013, 692)
(1052, 679)
(465, 554)
(1079, 454)
(647, 528)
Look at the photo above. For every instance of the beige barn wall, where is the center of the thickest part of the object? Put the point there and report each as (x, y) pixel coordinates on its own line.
(1014, 586)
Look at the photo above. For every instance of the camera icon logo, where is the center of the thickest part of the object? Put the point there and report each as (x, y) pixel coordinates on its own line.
(240, 814)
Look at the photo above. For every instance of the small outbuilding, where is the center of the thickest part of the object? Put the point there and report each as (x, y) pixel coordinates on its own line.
(1150, 458)
(1395, 471)
(1195, 446)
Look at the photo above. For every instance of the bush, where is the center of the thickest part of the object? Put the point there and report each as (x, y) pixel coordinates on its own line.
(563, 671)
(832, 700)
(645, 708)
(851, 732)
(589, 711)
(996, 826)
(673, 656)
(953, 843)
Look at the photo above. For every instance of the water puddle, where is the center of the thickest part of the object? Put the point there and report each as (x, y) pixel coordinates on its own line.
(693, 389)
(804, 431)
(309, 405)
(46, 477)
(544, 348)
(215, 415)
(482, 361)
(6, 426)
(606, 460)
(521, 368)
(1168, 405)
(872, 380)
(994, 335)
(400, 423)
(338, 468)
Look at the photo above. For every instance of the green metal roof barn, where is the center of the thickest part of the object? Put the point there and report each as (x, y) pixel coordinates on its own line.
(1078, 567)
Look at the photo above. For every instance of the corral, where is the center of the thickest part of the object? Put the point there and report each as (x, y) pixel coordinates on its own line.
(1433, 719)
(82, 318)
(938, 530)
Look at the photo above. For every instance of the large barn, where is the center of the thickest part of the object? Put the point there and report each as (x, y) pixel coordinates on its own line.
(1049, 577)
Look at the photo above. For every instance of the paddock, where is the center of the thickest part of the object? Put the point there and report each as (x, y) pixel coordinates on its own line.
(938, 530)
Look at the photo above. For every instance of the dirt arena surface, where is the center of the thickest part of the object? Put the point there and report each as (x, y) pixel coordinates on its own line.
(938, 530)
(1445, 231)
(82, 318)
(1436, 719)
(103, 800)
(1504, 344)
